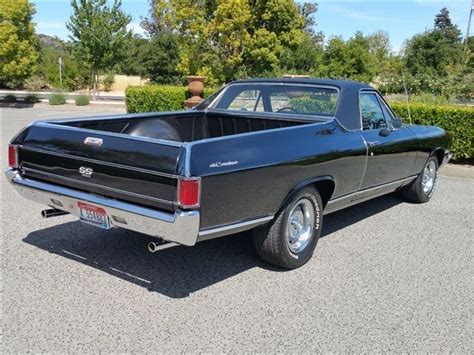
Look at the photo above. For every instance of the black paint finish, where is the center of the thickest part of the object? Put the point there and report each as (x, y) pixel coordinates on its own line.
(249, 162)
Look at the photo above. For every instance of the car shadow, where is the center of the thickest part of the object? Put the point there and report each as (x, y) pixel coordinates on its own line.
(175, 272)
(18, 105)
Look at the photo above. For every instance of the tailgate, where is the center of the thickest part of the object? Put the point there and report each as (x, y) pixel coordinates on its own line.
(129, 168)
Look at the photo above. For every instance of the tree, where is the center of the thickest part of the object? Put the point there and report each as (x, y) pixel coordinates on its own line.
(18, 45)
(432, 52)
(160, 57)
(349, 59)
(132, 63)
(51, 49)
(306, 59)
(226, 39)
(99, 34)
(379, 47)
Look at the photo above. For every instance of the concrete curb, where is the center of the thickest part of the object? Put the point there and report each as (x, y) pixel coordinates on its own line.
(457, 170)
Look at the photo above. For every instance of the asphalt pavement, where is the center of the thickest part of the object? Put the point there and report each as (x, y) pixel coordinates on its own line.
(387, 275)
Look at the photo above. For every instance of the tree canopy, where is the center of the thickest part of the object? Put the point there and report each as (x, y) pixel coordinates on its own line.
(226, 40)
(98, 33)
(18, 44)
(434, 51)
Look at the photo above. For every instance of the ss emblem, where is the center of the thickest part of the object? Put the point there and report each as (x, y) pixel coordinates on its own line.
(86, 172)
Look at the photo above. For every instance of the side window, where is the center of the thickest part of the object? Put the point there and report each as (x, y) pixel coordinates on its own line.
(248, 100)
(371, 112)
(386, 111)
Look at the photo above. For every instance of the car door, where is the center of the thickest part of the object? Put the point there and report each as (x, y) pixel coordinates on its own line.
(391, 151)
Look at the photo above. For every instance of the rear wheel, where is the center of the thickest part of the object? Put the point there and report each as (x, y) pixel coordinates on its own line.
(421, 190)
(290, 240)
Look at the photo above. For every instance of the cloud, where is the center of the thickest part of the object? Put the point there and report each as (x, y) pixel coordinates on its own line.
(135, 28)
(50, 25)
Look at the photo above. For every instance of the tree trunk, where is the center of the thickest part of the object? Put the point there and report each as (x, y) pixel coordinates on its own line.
(90, 83)
(95, 85)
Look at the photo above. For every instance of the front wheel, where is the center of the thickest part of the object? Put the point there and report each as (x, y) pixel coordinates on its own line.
(290, 240)
(421, 190)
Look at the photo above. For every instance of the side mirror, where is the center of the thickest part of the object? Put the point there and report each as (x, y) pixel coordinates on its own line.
(397, 122)
(384, 132)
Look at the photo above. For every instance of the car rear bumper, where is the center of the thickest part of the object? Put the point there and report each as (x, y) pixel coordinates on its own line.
(180, 227)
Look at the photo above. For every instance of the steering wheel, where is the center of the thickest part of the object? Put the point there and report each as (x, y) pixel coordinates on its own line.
(287, 109)
(379, 123)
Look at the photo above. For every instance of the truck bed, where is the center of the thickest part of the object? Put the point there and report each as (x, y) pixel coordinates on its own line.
(186, 126)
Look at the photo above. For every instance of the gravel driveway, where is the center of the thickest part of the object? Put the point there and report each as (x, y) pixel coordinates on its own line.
(386, 276)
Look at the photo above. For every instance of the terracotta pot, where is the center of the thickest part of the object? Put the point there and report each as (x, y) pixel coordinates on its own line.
(196, 88)
(196, 85)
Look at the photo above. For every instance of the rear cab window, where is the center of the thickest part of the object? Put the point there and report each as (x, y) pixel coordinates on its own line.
(279, 99)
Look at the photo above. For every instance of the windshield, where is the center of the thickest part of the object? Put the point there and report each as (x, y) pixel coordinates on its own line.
(275, 98)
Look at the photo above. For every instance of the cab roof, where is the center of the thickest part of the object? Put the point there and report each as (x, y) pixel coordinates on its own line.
(341, 84)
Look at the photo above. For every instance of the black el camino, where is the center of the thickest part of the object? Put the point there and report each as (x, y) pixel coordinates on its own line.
(268, 155)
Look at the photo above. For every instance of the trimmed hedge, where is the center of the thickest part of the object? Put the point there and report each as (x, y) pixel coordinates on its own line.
(57, 99)
(31, 99)
(457, 121)
(312, 106)
(82, 100)
(10, 99)
(156, 98)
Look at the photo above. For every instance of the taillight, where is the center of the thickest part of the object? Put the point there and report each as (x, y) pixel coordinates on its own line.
(12, 156)
(189, 192)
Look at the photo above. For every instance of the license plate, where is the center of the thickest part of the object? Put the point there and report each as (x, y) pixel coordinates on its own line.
(93, 215)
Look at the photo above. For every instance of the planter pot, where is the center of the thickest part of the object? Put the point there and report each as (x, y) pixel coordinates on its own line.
(196, 88)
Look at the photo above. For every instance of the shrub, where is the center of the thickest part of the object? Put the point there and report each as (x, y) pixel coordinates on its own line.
(208, 91)
(57, 99)
(108, 81)
(31, 99)
(35, 83)
(9, 98)
(457, 121)
(155, 98)
(308, 105)
(82, 100)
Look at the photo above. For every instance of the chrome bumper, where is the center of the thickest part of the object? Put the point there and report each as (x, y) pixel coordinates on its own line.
(447, 157)
(181, 227)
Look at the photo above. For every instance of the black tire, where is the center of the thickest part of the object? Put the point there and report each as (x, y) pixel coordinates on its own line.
(414, 192)
(271, 241)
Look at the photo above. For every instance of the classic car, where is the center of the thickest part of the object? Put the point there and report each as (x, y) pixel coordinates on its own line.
(268, 155)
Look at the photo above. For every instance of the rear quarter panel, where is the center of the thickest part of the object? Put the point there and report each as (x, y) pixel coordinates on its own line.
(248, 176)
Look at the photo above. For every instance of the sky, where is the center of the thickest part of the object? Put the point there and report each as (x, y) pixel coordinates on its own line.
(400, 19)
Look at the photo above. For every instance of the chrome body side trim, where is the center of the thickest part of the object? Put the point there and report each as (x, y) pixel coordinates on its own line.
(232, 228)
(181, 226)
(100, 162)
(366, 194)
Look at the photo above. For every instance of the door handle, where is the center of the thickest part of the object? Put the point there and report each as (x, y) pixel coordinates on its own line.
(373, 143)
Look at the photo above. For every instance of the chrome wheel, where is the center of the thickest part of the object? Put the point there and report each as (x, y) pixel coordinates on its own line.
(300, 225)
(429, 178)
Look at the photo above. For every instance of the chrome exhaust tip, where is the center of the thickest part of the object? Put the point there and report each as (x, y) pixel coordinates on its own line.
(53, 212)
(153, 247)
